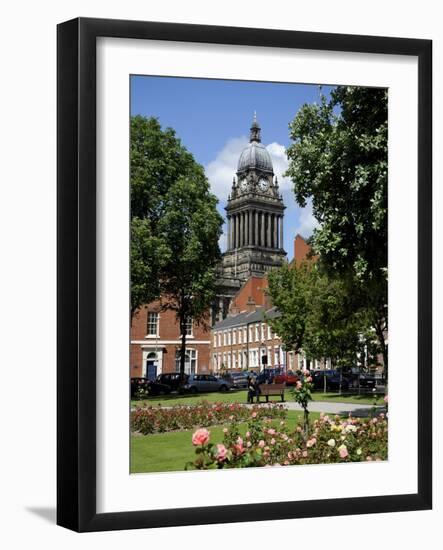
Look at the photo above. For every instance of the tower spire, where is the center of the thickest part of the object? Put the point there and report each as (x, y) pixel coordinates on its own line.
(255, 130)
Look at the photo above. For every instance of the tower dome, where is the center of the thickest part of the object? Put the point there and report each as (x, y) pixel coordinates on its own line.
(255, 156)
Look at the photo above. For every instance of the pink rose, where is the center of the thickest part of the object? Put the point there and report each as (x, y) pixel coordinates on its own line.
(254, 414)
(311, 442)
(343, 451)
(248, 434)
(304, 454)
(271, 431)
(261, 443)
(298, 385)
(200, 437)
(272, 442)
(221, 452)
(309, 379)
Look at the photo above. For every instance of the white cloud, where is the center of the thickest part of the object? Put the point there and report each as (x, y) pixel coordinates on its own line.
(222, 169)
(306, 221)
(280, 163)
(223, 241)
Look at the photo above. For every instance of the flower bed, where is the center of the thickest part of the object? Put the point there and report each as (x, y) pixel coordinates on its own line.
(151, 420)
(267, 444)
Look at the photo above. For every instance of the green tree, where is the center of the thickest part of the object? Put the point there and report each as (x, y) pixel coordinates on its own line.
(175, 227)
(191, 228)
(289, 289)
(338, 163)
(158, 160)
(332, 327)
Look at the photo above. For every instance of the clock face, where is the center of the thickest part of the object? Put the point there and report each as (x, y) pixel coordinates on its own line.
(263, 185)
(244, 184)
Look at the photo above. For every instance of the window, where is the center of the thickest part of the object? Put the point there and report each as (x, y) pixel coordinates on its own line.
(152, 328)
(245, 335)
(224, 338)
(219, 339)
(188, 326)
(257, 335)
(190, 361)
(229, 337)
(215, 339)
(269, 333)
(239, 335)
(234, 336)
(251, 337)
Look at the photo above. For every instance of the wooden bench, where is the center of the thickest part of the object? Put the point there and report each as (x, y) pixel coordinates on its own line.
(271, 389)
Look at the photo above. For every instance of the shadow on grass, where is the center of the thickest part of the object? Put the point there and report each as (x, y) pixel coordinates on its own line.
(188, 396)
(369, 396)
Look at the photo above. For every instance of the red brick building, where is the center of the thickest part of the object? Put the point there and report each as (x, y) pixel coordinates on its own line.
(156, 339)
(242, 339)
(237, 342)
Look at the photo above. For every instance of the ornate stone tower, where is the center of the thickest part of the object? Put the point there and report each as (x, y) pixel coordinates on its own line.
(255, 215)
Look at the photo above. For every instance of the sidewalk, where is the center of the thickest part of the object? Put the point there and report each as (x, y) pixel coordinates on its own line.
(356, 409)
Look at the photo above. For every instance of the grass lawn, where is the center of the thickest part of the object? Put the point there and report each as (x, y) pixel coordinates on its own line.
(169, 452)
(240, 397)
(364, 398)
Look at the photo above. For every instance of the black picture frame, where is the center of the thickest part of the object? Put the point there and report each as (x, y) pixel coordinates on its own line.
(76, 265)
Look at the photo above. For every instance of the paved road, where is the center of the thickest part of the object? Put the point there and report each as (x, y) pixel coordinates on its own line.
(357, 409)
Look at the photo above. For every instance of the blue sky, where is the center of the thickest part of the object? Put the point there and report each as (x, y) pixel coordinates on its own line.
(212, 118)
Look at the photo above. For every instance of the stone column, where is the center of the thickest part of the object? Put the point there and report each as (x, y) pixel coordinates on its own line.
(281, 232)
(229, 233)
(256, 235)
(234, 227)
(262, 237)
(251, 227)
(242, 229)
(269, 231)
(275, 231)
(248, 236)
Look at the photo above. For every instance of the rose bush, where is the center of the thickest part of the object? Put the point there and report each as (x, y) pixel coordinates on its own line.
(302, 395)
(270, 443)
(151, 420)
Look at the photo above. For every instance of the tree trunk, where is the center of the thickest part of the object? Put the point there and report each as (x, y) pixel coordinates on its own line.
(306, 421)
(183, 345)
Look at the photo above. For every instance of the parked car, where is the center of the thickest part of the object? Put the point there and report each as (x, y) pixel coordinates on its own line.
(289, 378)
(205, 383)
(139, 386)
(236, 379)
(172, 379)
(367, 380)
(267, 376)
(334, 380)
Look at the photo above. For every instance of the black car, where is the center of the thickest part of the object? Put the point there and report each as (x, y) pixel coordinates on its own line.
(367, 380)
(266, 376)
(334, 380)
(167, 383)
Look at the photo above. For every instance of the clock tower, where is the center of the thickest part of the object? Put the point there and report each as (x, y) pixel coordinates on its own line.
(254, 215)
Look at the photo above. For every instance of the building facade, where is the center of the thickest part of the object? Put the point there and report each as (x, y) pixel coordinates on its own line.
(244, 339)
(156, 339)
(254, 214)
